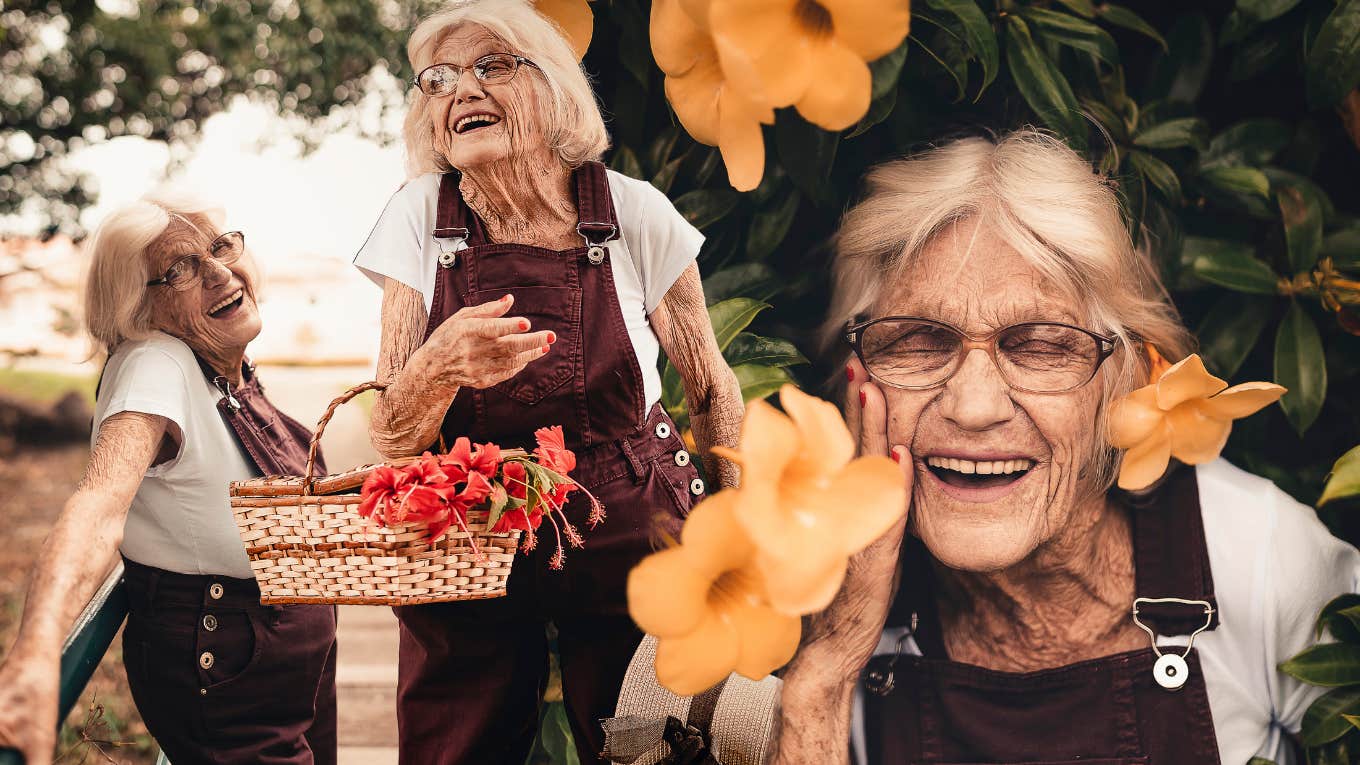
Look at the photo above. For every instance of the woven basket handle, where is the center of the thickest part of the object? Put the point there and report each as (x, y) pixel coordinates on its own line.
(321, 428)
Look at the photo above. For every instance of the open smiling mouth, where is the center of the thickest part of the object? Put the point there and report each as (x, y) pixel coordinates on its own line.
(228, 305)
(475, 122)
(983, 474)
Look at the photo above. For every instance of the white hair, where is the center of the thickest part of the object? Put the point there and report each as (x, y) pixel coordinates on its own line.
(575, 129)
(115, 289)
(1044, 200)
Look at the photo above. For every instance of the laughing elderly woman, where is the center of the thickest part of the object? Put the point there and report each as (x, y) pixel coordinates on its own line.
(179, 414)
(996, 309)
(525, 286)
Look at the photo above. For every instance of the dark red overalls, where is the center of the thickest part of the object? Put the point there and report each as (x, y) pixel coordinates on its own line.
(1106, 711)
(217, 677)
(472, 674)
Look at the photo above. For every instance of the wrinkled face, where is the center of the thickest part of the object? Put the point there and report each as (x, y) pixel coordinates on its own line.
(217, 316)
(478, 124)
(998, 471)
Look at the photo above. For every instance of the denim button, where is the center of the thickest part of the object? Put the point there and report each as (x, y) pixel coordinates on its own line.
(205, 660)
(210, 622)
(663, 430)
(696, 487)
(215, 590)
(682, 458)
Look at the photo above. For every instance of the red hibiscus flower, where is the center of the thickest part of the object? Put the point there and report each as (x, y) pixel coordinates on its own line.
(516, 479)
(383, 487)
(552, 451)
(464, 459)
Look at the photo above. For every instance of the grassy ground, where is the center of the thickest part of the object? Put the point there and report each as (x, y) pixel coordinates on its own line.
(45, 387)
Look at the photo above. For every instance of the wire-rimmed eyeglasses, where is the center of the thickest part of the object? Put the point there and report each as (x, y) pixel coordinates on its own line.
(442, 79)
(187, 271)
(1036, 357)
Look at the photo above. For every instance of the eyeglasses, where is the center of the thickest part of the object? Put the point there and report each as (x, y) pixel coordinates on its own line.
(442, 79)
(187, 271)
(1035, 357)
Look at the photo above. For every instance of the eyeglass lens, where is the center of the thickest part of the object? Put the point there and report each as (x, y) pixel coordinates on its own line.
(187, 271)
(442, 79)
(1036, 357)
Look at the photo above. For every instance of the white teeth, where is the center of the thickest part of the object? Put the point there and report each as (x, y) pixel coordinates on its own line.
(232, 298)
(985, 467)
(489, 119)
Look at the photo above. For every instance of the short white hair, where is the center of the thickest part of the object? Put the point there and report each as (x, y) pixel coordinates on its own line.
(575, 129)
(1044, 200)
(117, 308)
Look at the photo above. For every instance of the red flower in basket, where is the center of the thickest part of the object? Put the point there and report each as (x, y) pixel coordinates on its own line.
(485, 459)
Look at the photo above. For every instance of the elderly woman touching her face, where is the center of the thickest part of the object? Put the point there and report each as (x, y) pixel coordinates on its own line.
(996, 308)
(525, 286)
(170, 298)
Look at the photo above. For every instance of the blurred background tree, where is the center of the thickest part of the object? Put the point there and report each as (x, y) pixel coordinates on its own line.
(1232, 131)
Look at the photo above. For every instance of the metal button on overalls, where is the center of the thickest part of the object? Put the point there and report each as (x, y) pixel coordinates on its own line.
(209, 622)
(696, 487)
(205, 660)
(663, 430)
(682, 458)
(215, 591)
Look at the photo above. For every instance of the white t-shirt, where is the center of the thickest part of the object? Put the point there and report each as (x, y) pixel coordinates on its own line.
(654, 247)
(180, 519)
(1274, 567)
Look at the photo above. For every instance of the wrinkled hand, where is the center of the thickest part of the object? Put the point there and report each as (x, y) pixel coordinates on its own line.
(847, 632)
(28, 712)
(479, 346)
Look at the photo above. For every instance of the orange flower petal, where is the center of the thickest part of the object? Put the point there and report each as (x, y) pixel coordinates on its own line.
(763, 50)
(768, 638)
(769, 442)
(839, 96)
(677, 42)
(691, 664)
(821, 426)
(1186, 379)
(712, 536)
(574, 17)
(668, 592)
(1195, 437)
(694, 97)
(1134, 417)
(1241, 400)
(1146, 461)
(740, 140)
(871, 28)
(697, 10)
(802, 583)
(866, 498)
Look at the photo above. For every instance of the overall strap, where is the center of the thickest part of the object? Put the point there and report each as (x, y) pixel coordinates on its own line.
(594, 206)
(452, 218)
(1171, 557)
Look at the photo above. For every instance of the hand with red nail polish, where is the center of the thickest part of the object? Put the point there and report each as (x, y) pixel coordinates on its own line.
(479, 346)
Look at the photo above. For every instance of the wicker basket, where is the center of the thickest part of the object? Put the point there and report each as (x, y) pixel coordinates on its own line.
(308, 544)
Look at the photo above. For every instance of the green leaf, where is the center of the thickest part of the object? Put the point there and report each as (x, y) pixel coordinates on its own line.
(1265, 10)
(1354, 720)
(1172, 134)
(807, 153)
(1342, 246)
(752, 280)
(1230, 330)
(1327, 618)
(1112, 122)
(1080, 7)
(1323, 723)
(977, 34)
(771, 224)
(951, 57)
(758, 382)
(1241, 188)
(1330, 665)
(1041, 84)
(498, 507)
(887, 68)
(1258, 54)
(730, 317)
(1180, 76)
(747, 348)
(1229, 264)
(1301, 212)
(1068, 30)
(1300, 367)
(1344, 480)
(1120, 16)
(1250, 143)
(1333, 66)
(626, 162)
(659, 153)
(1336, 753)
(704, 207)
(666, 175)
(879, 110)
(1260, 761)
(556, 736)
(1158, 172)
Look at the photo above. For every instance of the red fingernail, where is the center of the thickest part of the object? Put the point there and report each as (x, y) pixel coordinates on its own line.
(523, 325)
(863, 399)
(545, 349)
(849, 373)
(507, 297)
(896, 457)
(552, 337)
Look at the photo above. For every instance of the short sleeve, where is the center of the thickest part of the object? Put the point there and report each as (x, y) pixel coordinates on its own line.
(661, 241)
(1309, 567)
(150, 381)
(394, 247)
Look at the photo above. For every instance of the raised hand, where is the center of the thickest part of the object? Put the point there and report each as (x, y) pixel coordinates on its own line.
(479, 346)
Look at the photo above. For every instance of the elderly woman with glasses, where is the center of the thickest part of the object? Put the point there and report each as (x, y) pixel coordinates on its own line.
(1026, 610)
(179, 414)
(526, 286)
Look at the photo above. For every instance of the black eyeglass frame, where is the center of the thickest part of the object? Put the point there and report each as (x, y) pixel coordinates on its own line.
(854, 335)
(519, 61)
(199, 257)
